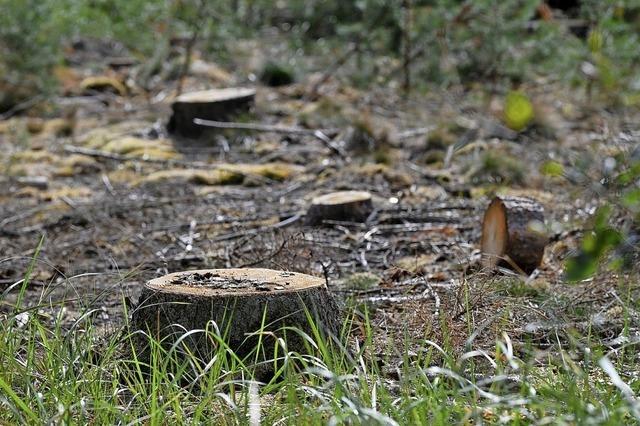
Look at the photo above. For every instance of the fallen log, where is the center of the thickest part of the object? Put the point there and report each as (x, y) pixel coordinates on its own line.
(352, 206)
(246, 307)
(512, 234)
(215, 104)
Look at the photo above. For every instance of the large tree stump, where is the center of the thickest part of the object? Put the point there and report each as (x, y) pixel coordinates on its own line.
(512, 234)
(354, 206)
(215, 104)
(239, 302)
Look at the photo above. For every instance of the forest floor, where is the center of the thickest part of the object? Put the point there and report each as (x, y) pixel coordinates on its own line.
(138, 203)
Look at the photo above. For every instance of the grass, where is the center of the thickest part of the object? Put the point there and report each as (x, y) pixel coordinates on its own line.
(53, 373)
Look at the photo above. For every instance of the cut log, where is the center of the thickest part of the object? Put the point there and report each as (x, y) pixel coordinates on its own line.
(215, 104)
(512, 234)
(239, 302)
(353, 206)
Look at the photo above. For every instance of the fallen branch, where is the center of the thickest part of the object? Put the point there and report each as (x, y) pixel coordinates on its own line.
(262, 127)
(22, 106)
(412, 133)
(268, 257)
(320, 134)
(281, 224)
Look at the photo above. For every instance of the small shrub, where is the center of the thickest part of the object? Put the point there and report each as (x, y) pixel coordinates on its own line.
(276, 74)
(614, 237)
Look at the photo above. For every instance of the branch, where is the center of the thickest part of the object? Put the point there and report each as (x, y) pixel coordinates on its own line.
(261, 127)
(320, 134)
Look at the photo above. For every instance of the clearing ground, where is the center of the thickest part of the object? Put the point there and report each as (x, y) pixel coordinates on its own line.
(118, 201)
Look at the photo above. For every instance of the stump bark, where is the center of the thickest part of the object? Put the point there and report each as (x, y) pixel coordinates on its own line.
(239, 302)
(512, 234)
(215, 104)
(354, 206)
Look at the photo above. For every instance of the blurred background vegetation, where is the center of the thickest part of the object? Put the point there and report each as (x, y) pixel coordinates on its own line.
(437, 42)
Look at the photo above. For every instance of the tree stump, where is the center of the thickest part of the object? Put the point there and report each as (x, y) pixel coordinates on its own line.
(239, 302)
(512, 234)
(215, 104)
(354, 206)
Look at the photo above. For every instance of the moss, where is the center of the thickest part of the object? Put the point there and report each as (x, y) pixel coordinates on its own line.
(97, 138)
(55, 193)
(274, 171)
(216, 177)
(155, 154)
(38, 156)
(124, 175)
(164, 175)
(232, 174)
(130, 144)
(197, 176)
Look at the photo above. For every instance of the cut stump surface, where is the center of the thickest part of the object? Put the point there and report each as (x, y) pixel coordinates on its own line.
(215, 104)
(354, 206)
(512, 234)
(239, 302)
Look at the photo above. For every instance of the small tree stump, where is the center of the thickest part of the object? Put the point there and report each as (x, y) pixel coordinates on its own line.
(239, 302)
(355, 206)
(512, 234)
(215, 104)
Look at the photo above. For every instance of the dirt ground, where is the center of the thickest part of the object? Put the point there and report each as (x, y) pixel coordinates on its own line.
(127, 213)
